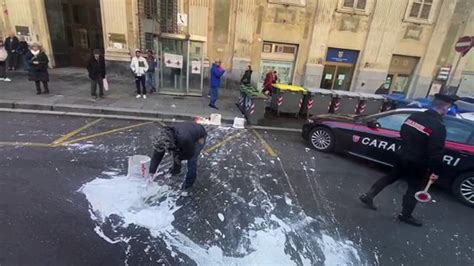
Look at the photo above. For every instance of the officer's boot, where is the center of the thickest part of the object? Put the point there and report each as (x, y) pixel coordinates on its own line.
(406, 215)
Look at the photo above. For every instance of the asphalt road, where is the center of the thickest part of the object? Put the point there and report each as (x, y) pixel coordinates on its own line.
(273, 201)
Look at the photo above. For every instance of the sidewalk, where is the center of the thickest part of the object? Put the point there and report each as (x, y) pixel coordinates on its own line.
(70, 92)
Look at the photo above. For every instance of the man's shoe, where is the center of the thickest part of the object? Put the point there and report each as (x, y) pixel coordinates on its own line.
(94, 97)
(38, 92)
(410, 220)
(6, 79)
(144, 96)
(138, 96)
(46, 92)
(368, 202)
(213, 106)
(102, 96)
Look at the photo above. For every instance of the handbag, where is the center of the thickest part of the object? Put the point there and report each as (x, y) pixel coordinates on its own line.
(106, 84)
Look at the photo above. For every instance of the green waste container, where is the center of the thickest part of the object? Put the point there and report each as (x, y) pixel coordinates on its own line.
(252, 104)
(345, 102)
(317, 101)
(287, 98)
(370, 103)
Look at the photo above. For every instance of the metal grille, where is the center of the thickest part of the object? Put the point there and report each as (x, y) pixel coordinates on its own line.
(169, 14)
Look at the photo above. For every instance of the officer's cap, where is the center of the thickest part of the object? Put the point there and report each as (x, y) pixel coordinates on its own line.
(446, 98)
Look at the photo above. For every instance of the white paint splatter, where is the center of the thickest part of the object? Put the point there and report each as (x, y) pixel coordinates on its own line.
(221, 216)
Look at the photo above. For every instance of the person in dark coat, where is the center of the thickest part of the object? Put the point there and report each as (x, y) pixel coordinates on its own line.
(423, 136)
(247, 77)
(185, 141)
(23, 52)
(153, 64)
(96, 69)
(216, 73)
(12, 45)
(38, 68)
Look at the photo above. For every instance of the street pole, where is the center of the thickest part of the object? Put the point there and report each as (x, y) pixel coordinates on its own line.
(451, 75)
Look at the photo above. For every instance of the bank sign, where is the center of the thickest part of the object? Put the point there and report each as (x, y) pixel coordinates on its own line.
(342, 56)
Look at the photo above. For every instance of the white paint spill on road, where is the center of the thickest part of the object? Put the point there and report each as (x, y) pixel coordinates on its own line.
(221, 216)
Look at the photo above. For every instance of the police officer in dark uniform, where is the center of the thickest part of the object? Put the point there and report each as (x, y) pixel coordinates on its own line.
(423, 135)
(185, 141)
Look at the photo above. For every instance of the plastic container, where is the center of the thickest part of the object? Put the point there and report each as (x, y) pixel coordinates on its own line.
(215, 119)
(287, 98)
(317, 101)
(370, 103)
(345, 102)
(138, 166)
(239, 123)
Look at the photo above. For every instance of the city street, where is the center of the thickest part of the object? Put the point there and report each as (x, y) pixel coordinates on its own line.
(261, 197)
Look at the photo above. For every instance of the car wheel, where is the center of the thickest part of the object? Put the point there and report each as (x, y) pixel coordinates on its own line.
(463, 188)
(322, 139)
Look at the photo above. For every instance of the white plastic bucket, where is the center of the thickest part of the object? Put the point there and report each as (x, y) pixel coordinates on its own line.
(138, 166)
(239, 122)
(215, 119)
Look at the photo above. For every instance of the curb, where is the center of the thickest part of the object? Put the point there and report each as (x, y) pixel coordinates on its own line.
(65, 109)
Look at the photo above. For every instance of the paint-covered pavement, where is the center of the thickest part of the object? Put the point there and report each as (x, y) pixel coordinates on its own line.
(260, 198)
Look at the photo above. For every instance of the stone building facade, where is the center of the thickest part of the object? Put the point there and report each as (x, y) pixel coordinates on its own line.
(356, 45)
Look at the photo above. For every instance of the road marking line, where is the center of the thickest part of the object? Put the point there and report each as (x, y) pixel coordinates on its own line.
(101, 134)
(75, 132)
(24, 144)
(265, 144)
(216, 146)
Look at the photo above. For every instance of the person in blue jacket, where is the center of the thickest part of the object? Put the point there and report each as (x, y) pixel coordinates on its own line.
(216, 73)
(185, 141)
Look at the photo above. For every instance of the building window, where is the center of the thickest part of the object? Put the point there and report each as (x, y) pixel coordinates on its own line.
(151, 9)
(420, 9)
(355, 4)
(149, 44)
(169, 16)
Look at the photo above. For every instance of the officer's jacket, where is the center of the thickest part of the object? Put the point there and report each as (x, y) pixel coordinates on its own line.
(423, 135)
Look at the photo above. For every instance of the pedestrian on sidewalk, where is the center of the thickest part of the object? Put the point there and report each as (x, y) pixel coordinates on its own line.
(216, 73)
(150, 73)
(185, 141)
(23, 52)
(247, 77)
(268, 83)
(12, 44)
(3, 62)
(139, 68)
(423, 135)
(96, 69)
(38, 68)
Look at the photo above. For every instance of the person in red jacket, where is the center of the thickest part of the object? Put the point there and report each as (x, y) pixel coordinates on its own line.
(268, 83)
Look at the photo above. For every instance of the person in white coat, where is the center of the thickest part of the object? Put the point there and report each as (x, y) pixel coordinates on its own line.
(139, 68)
(3, 62)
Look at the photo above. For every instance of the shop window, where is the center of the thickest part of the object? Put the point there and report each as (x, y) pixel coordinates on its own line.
(355, 4)
(421, 9)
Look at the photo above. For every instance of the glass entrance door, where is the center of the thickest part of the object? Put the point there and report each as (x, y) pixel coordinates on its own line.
(195, 68)
(337, 77)
(173, 69)
(181, 68)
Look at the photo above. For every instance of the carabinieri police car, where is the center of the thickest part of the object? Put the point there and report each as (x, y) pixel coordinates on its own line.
(377, 138)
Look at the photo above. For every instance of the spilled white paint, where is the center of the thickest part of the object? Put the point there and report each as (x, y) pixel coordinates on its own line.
(273, 237)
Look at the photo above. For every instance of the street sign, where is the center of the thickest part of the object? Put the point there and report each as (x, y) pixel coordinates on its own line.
(443, 73)
(182, 20)
(463, 45)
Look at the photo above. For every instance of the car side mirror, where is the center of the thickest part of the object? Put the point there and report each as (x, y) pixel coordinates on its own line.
(373, 124)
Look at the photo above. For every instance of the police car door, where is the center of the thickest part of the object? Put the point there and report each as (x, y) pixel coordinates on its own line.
(459, 153)
(377, 138)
